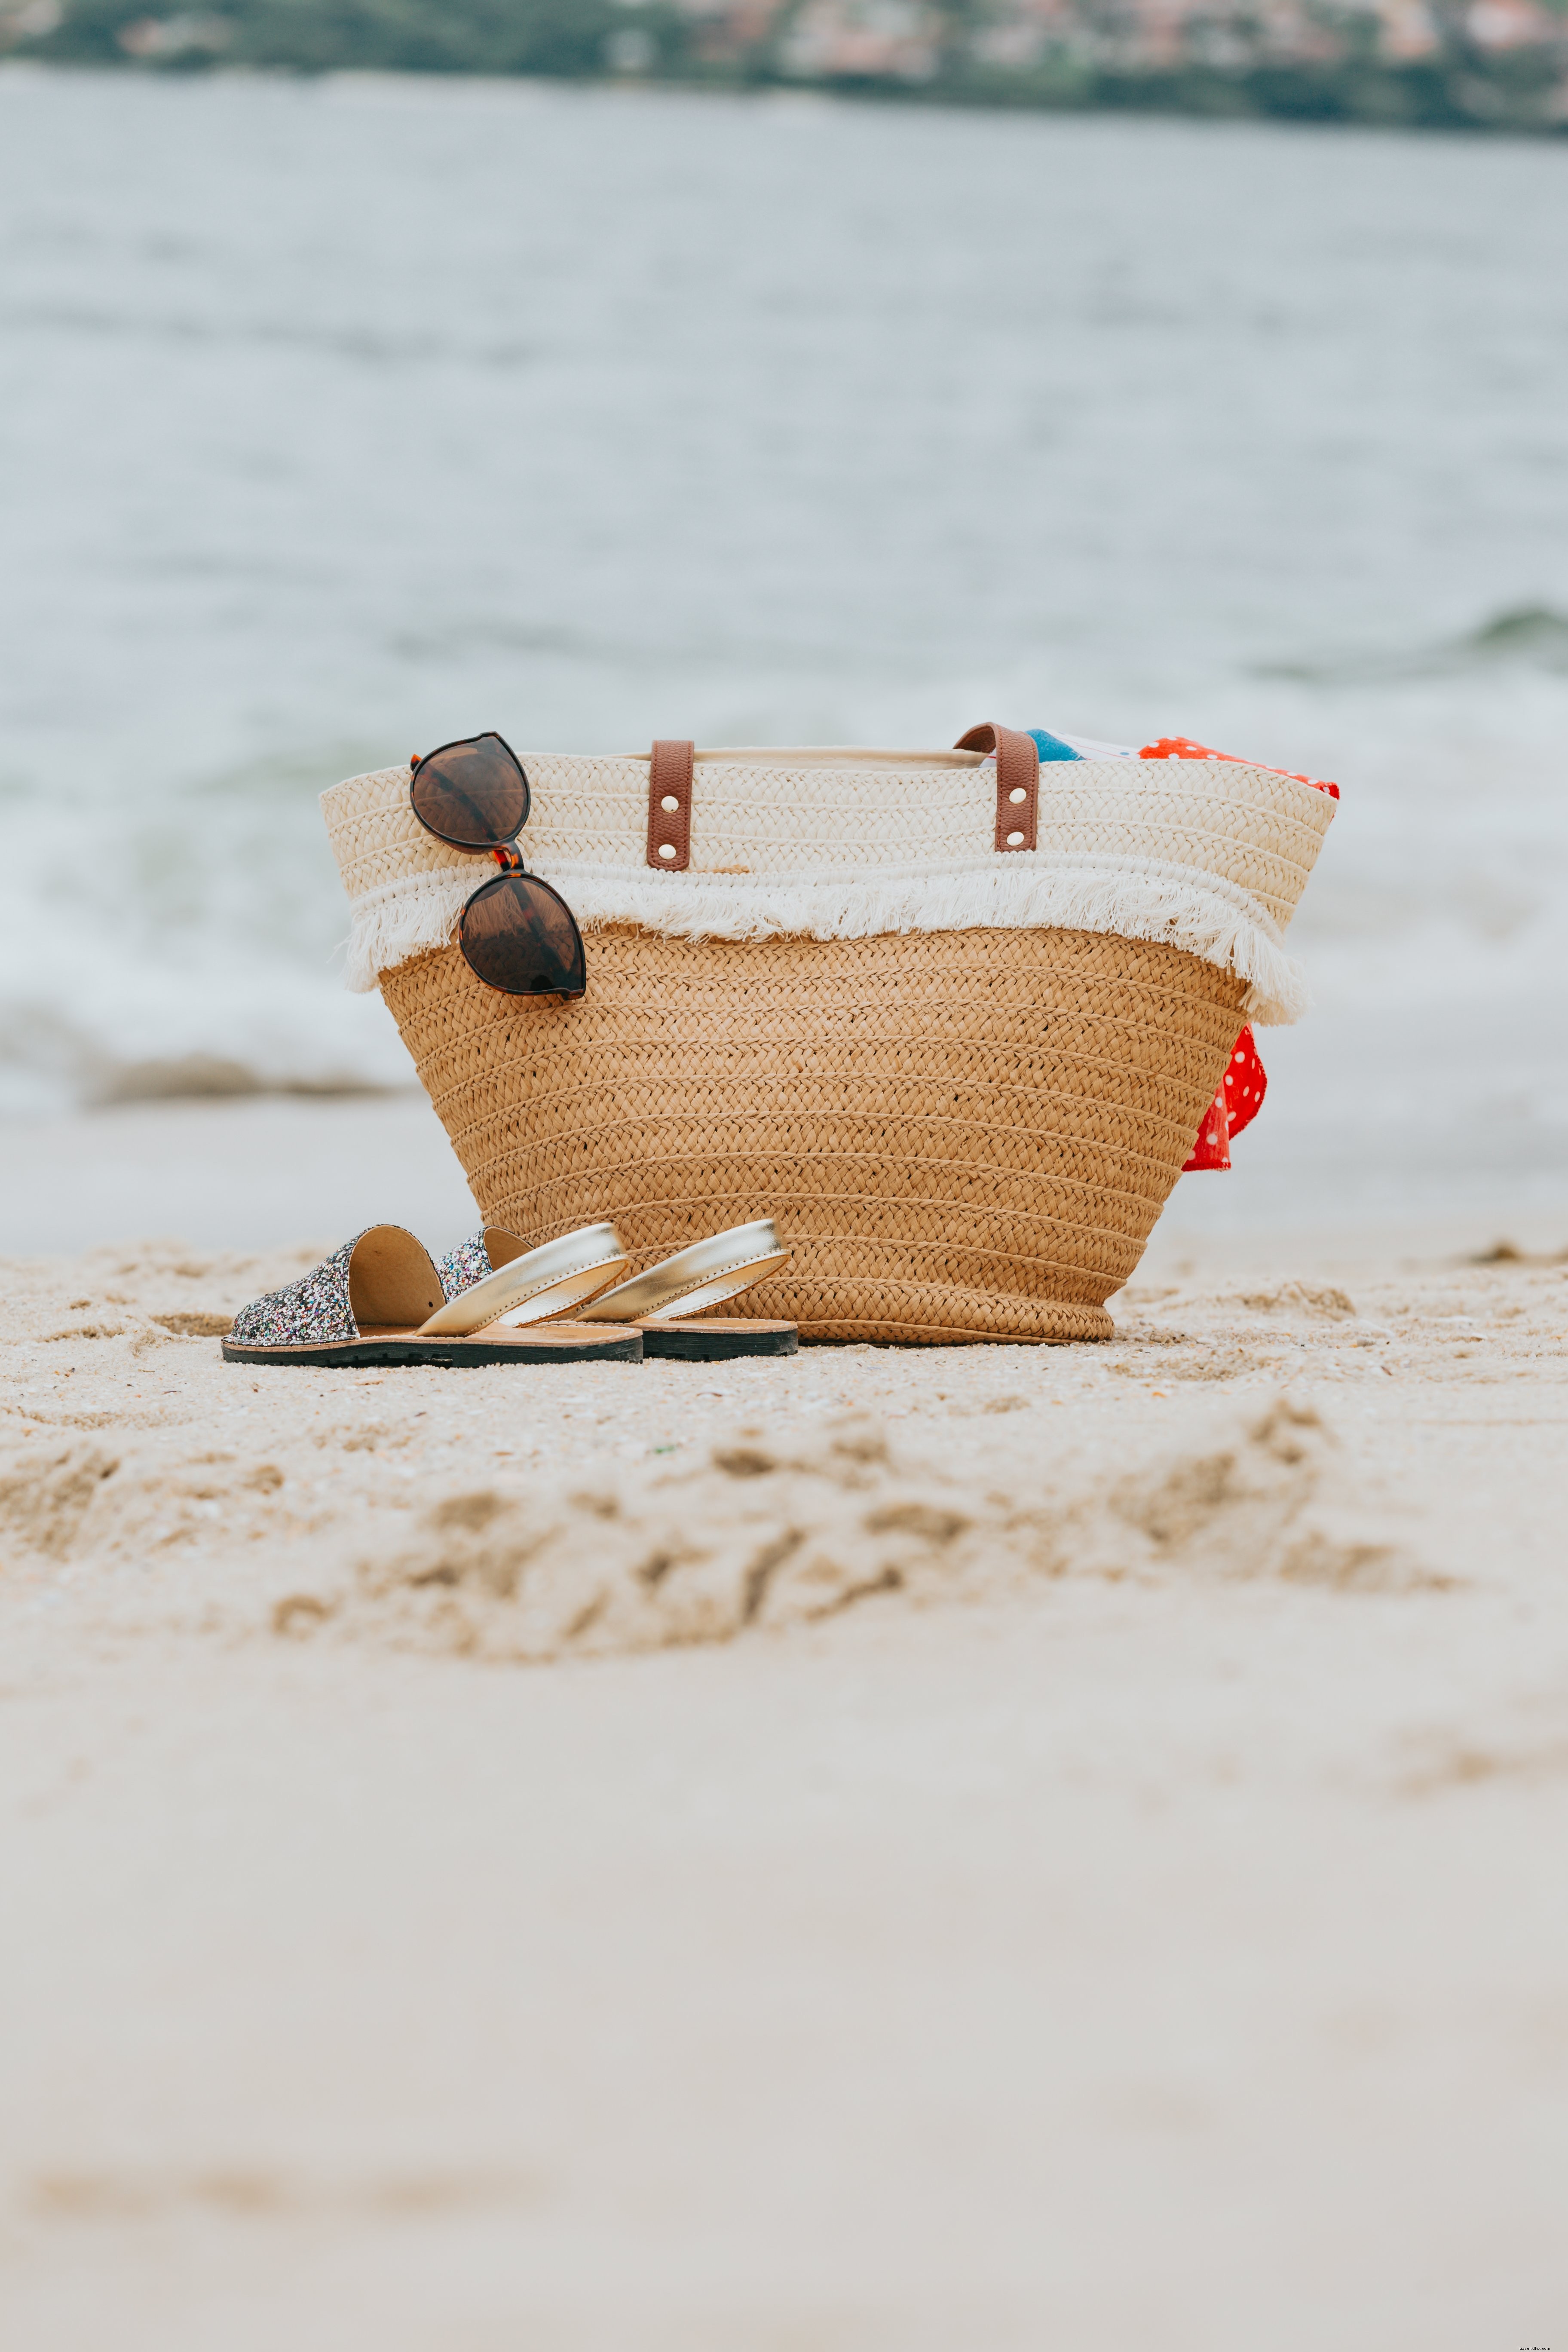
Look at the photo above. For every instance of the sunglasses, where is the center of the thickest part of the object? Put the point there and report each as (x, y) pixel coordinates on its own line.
(517, 934)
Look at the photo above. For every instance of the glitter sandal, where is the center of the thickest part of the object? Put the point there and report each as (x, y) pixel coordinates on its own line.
(720, 1267)
(381, 1299)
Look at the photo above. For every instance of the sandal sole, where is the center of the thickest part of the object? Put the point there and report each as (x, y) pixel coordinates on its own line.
(452, 1355)
(711, 1343)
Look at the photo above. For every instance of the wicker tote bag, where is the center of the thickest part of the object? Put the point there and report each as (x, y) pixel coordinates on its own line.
(951, 1020)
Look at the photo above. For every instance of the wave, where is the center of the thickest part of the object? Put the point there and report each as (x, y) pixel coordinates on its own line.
(361, 344)
(189, 1037)
(1525, 637)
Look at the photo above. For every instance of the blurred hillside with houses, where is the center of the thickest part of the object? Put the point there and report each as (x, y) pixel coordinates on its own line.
(1479, 64)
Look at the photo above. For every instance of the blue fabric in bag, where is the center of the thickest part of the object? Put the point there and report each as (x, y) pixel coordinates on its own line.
(1052, 747)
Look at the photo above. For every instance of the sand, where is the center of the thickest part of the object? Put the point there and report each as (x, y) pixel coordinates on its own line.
(964, 1848)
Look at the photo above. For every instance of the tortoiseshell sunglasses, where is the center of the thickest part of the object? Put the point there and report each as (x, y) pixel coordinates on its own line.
(517, 934)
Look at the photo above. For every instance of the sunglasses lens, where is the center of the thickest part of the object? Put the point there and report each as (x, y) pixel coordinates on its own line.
(519, 935)
(473, 795)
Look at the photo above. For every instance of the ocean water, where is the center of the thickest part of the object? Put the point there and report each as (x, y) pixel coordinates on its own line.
(338, 418)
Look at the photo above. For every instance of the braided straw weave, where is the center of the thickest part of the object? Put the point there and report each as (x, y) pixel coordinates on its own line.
(966, 1135)
(964, 1104)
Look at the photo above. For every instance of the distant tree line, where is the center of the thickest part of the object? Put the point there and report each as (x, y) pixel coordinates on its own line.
(1459, 83)
(565, 37)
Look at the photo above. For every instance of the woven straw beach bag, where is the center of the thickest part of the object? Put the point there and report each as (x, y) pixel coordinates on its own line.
(950, 1020)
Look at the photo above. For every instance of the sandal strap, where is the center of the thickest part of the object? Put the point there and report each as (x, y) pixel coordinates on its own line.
(720, 1267)
(534, 1286)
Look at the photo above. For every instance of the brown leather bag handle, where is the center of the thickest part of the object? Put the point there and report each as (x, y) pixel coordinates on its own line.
(670, 781)
(1017, 781)
(669, 806)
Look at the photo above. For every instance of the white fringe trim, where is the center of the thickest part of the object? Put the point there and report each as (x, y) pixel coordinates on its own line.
(1201, 913)
(400, 921)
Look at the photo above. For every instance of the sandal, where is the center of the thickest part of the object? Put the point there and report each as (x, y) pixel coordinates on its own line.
(720, 1267)
(381, 1299)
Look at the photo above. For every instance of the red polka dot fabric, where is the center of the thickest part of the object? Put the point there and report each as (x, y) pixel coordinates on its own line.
(1236, 1106)
(1181, 747)
(1241, 1096)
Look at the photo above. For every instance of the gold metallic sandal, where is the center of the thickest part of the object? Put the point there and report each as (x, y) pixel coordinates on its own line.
(381, 1299)
(720, 1267)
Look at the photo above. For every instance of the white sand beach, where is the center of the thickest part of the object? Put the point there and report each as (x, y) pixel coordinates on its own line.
(995, 1847)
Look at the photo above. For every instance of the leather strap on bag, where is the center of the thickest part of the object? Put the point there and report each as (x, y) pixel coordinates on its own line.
(1017, 781)
(670, 781)
(669, 806)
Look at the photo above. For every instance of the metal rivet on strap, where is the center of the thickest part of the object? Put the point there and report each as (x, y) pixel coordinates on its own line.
(1015, 841)
(1016, 794)
(671, 803)
(666, 848)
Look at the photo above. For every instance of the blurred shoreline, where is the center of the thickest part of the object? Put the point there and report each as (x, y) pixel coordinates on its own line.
(1499, 67)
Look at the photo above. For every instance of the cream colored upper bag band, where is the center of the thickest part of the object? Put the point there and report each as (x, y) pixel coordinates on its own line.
(1207, 856)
